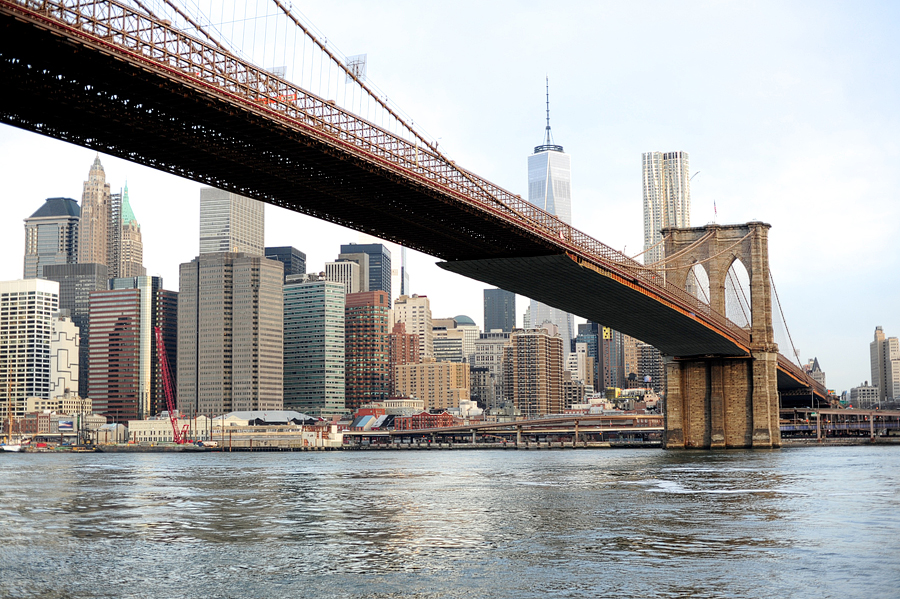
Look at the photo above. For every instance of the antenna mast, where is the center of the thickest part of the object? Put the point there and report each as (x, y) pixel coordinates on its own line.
(548, 136)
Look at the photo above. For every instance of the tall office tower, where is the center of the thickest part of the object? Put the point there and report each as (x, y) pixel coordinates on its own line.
(293, 259)
(550, 175)
(581, 365)
(93, 226)
(127, 249)
(884, 353)
(26, 332)
(76, 282)
(120, 347)
(589, 333)
(348, 274)
(362, 260)
(166, 318)
(630, 356)
(652, 368)
(51, 236)
(230, 334)
(404, 273)
(550, 188)
(231, 223)
(613, 359)
(379, 266)
(499, 310)
(403, 348)
(489, 355)
(533, 372)
(366, 353)
(415, 313)
(441, 385)
(667, 198)
(314, 347)
(64, 345)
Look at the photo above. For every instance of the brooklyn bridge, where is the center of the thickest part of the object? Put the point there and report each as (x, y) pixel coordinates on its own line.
(169, 92)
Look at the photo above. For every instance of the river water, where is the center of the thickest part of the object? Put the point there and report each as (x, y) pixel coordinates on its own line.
(807, 522)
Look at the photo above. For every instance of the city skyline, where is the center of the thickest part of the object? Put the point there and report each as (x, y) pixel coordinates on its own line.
(808, 148)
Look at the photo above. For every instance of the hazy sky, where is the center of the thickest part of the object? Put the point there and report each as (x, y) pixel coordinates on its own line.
(788, 110)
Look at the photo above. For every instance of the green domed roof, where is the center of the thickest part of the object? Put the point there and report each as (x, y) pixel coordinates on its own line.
(462, 319)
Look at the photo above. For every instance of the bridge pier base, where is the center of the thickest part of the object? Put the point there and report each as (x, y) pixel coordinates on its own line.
(722, 402)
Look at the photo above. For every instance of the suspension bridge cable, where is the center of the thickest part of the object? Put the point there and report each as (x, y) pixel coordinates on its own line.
(650, 267)
(784, 320)
(737, 284)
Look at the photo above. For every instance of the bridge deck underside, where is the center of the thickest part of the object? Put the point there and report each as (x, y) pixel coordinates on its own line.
(71, 91)
(560, 281)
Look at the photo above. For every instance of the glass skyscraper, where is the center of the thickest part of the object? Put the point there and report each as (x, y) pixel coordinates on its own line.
(499, 310)
(314, 381)
(379, 264)
(550, 188)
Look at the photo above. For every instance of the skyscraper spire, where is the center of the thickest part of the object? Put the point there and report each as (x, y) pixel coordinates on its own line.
(549, 140)
(548, 136)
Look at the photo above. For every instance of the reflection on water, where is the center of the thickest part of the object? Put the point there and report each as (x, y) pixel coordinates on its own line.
(817, 522)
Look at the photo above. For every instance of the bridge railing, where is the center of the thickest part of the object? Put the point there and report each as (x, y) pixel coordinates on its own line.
(197, 61)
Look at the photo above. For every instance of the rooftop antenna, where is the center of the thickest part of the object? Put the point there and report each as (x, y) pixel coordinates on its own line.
(549, 136)
(548, 140)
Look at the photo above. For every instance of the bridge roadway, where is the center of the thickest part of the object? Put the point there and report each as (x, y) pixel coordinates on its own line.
(104, 76)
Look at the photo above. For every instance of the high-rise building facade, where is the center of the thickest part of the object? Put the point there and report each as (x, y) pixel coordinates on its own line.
(533, 372)
(667, 198)
(403, 348)
(448, 344)
(379, 266)
(590, 334)
(884, 355)
(470, 332)
(347, 273)
(415, 313)
(314, 347)
(230, 334)
(125, 376)
(93, 226)
(64, 346)
(293, 259)
(499, 310)
(441, 385)
(613, 348)
(51, 236)
(120, 345)
(108, 232)
(366, 354)
(126, 247)
(231, 223)
(652, 368)
(76, 283)
(27, 308)
(489, 355)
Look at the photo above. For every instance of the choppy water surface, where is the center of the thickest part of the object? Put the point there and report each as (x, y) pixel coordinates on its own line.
(817, 522)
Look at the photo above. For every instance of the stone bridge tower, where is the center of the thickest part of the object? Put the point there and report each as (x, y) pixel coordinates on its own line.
(718, 401)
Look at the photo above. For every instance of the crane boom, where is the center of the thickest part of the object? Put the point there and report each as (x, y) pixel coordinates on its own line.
(177, 435)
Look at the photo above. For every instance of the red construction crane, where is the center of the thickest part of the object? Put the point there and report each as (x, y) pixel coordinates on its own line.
(179, 436)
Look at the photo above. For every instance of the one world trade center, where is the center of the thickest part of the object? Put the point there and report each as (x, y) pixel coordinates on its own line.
(550, 188)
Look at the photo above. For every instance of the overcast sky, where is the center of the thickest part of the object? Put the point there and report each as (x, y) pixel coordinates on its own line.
(788, 110)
